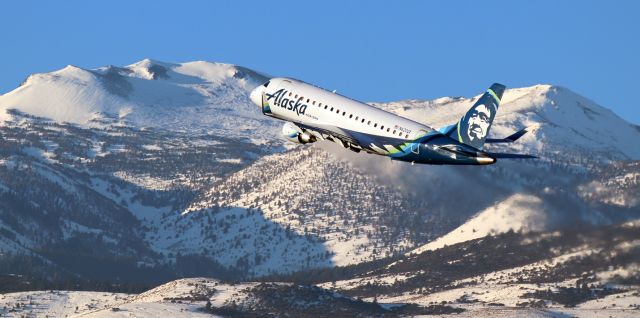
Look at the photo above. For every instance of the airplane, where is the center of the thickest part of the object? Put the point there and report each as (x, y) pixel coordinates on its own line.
(313, 114)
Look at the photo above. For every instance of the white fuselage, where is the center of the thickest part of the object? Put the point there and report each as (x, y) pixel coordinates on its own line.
(302, 103)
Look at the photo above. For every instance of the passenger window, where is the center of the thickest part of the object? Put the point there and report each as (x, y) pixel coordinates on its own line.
(363, 120)
(337, 111)
(375, 125)
(307, 101)
(406, 136)
(319, 104)
(344, 113)
(296, 97)
(388, 129)
(313, 103)
(331, 108)
(325, 106)
(350, 115)
(381, 127)
(394, 132)
(289, 93)
(356, 117)
(369, 123)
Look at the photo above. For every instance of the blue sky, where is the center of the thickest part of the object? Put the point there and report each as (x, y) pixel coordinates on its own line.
(370, 50)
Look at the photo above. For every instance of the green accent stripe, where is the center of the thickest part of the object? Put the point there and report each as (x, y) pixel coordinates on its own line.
(459, 137)
(490, 91)
(393, 150)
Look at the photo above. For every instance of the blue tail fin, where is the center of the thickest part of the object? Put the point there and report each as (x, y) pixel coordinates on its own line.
(472, 129)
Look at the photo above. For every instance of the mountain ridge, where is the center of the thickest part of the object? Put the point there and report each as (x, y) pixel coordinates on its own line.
(192, 177)
(207, 96)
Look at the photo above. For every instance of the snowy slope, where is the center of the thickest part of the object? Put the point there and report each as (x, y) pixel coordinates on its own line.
(195, 96)
(577, 273)
(581, 272)
(520, 212)
(174, 160)
(212, 97)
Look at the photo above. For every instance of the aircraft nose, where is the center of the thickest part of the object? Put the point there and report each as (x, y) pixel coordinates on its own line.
(256, 95)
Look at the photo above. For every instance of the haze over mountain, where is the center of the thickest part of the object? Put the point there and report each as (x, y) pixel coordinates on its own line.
(157, 170)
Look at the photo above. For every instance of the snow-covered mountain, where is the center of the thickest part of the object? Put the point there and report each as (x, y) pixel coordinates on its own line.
(586, 272)
(157, 170)
(198, 97)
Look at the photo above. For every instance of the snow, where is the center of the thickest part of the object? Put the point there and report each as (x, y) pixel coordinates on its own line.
(68, 95)
(172, 299)
(619, 272)
(71, 227)
(519, 212)
(346, 252)
(40, 154)
(191, 97)
(608, 191)
(622, 300)
(212, 97)
(145, 181)
(231, 160)
(215, 73)
(149, 214)
(102, 304)
(54, 176)
(152, 147)
(55, 303)
(4, 116)
(509, 295)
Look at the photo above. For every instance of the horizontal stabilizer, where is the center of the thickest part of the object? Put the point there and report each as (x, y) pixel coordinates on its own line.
(511, 156)
(511, 138)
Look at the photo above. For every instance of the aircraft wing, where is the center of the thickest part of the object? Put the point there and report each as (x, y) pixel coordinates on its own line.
(511, 138)
(324, 131)
(379, 144)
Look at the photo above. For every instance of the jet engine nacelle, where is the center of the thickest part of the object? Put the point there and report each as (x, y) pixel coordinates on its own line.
(295, 134)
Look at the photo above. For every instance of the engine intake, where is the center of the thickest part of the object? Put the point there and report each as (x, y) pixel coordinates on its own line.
(295, 134)
(306, 138)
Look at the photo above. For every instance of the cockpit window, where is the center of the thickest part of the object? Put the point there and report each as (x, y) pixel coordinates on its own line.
(266, 84)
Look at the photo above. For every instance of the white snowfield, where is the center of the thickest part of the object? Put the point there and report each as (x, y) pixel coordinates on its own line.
(208, 97)
(188, 297)
(167, 300)
(519, 212)
(212, 98)
(195, 96)
(496, 294)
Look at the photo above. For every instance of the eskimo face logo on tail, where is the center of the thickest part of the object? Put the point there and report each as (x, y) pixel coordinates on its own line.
(280, 99)
(479, 122)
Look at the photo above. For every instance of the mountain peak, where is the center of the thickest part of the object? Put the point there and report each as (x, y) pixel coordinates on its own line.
(150, 93)
(199, 94)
